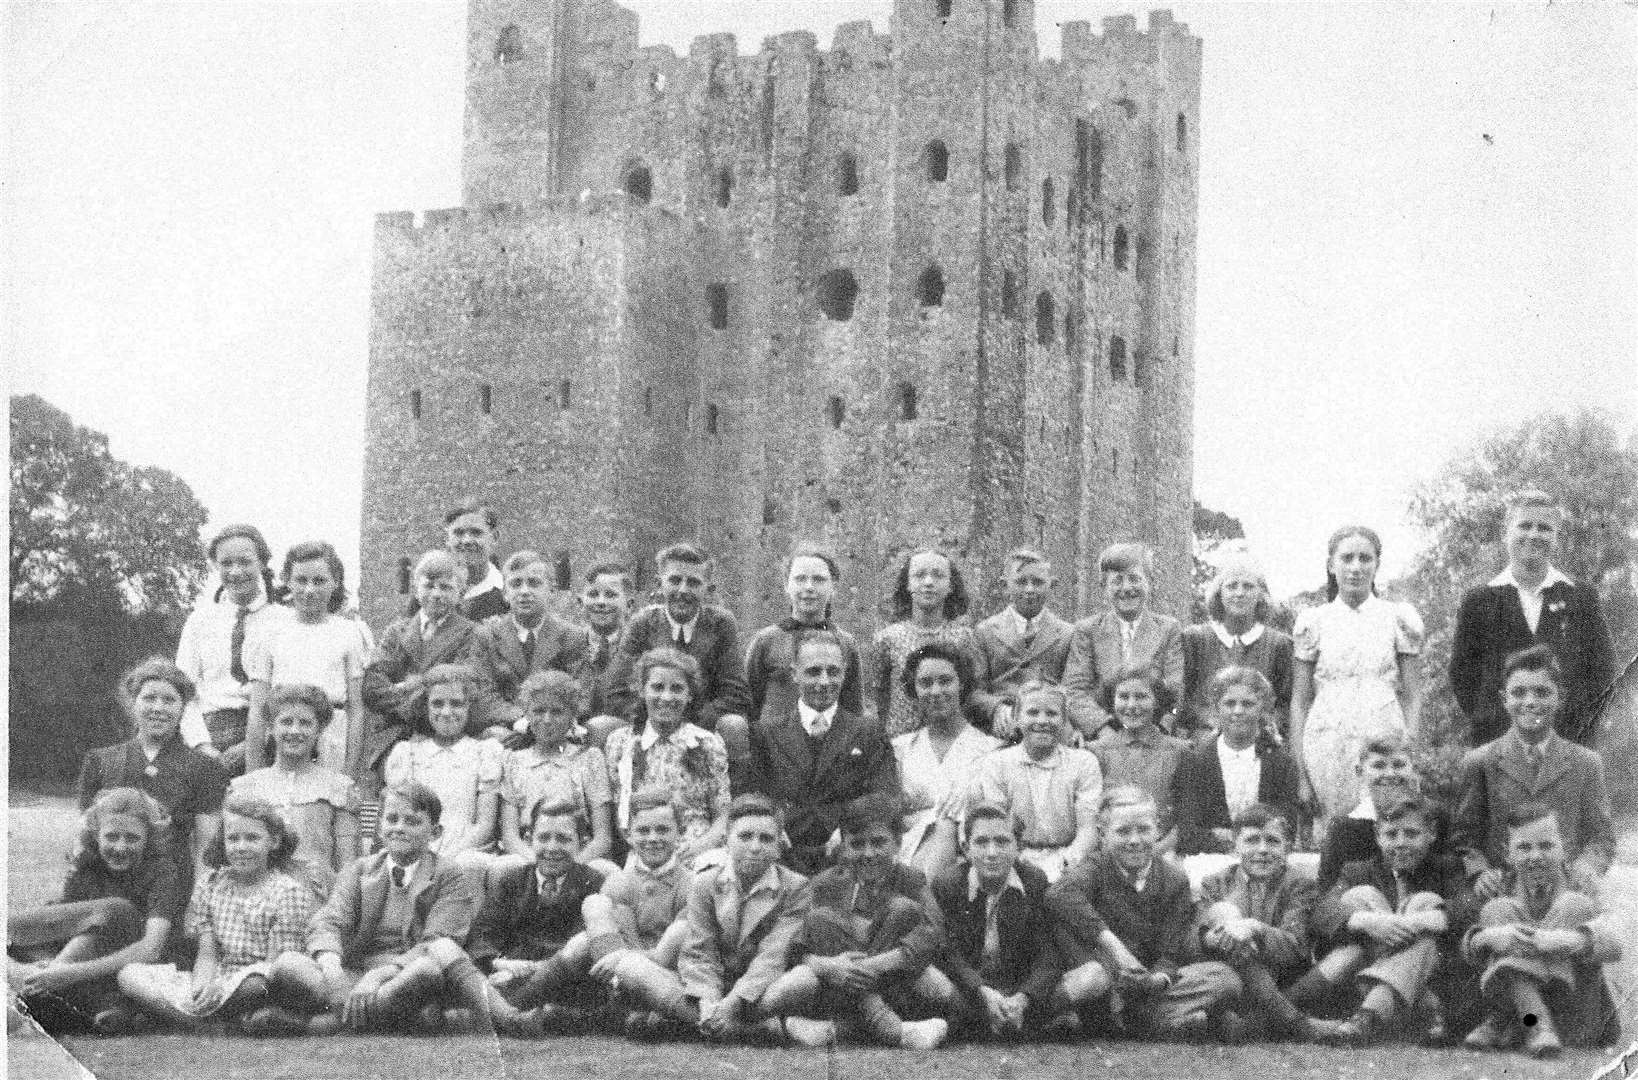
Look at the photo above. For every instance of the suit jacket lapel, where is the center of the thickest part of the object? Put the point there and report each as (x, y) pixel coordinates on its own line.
(511, 649)
(837, 741)
(1554, 764)
(1212, 780)
(1512, 615)
(791, 739)
(1511, 760)
(1048, 634)
(755, 910)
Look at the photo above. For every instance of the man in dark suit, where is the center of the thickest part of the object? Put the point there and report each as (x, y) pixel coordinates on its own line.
(1027, 642)
(817, 757)
(1240, 760)
(1531, 602)
(507, 649)
(708, 633)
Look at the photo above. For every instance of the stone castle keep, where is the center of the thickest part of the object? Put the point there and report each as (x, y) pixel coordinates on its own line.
(924, 288)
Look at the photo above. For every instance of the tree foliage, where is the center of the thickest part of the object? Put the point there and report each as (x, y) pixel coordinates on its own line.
(1214, 533)
(89, 530)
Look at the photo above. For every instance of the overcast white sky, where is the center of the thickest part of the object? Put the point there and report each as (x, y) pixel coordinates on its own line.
(1416, 222)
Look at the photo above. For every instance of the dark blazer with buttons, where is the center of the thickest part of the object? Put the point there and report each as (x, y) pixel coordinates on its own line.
(715, 645)
(1027, 961)
(1491, 625)
(1200, 800)
(1009, 663)
(1495, 778)
(813, 780)
(442, 898)
(516, 923)
(497, 657)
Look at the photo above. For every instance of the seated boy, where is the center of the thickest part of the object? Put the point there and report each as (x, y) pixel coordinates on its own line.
(1051, 788)
(998, 934)
(386, 946)
(528, 937)
(1407, 908)
(1255, 918)
(639, 910)
(508, 648)
(1540, 950)
(1124, 921)
(437, 633)
(742, 918)
(865, 945)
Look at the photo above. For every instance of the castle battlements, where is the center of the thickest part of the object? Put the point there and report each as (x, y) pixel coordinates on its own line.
(921, 287)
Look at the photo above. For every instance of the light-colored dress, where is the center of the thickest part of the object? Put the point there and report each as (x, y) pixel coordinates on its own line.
(935, 789)
(327, 654)
(890, 648)
(252, 925)
(691, 763)
(311, 801)
(459, 774)
(1355, 653)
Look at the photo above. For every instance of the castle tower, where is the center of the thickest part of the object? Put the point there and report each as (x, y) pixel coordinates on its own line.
(918, 289)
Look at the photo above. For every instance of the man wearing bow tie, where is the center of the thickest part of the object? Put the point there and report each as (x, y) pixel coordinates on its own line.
(1531, 602)
(817, 757)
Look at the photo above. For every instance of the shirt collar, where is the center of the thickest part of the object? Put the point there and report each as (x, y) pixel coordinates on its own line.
(688, 628)
(1021, 624)
(1366, 810)
(1138, 880)
(1248, 638)
(682, 736)
(542, 880)
(728, 881)
(425, 620)
(1545, 745)
(974, 888)
(492, 582)
(256, 604)
(409, 870)
(809, 715)
(636, 865)
(1226, 752)
(522, 631)
(1555, 576)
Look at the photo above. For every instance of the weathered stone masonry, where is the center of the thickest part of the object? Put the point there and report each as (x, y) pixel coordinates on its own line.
(921, 288)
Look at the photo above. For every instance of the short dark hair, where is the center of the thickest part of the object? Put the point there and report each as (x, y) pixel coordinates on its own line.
(870, 809)
(813, 551)
(1262, 815)
(814, 636)
(1164, 698)
(754, 805)
(1535, 658)
(614, 569)
(284, 838)
(419, 798)
(1528, 813)
(325, 552)
(683, 553)
(561, 808)
(1416, 806)
(241, 532)
(472, 506)
(520, 559)
(991, 811)
(1117, 558)
(938, 650)
(654, 797)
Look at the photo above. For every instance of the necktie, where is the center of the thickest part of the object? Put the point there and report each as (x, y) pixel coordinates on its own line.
(602, 660)
(398, 877)
(1534, 757)
(528, 648)
(679, 637)
(992, 931)
(1125, 643)
(237, 668)
(818, 726)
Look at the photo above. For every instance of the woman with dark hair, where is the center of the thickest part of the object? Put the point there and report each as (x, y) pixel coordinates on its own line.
(929, 603)
(939, 758)
(211, 649)
(1355, 675)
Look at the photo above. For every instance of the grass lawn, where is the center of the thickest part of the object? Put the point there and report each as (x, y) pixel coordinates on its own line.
(40, 831)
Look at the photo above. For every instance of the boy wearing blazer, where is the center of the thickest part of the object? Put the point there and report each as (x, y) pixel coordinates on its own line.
(1027, 642)
(507, 649)
(1128, 635)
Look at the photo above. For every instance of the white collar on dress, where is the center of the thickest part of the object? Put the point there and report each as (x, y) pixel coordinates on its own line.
(1248, 638)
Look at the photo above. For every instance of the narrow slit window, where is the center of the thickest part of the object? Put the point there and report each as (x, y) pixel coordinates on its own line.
(716, 300)
(930, 286)
(1046, 319)
(1182, 134)
(648, 401)
(415, 404)
(565, 394)
(1117, 357)
(838, 293)
(1049, 206)
(836, 411)
(1009, 294)
(640, 183)
(847, 175)
(1013, 167)
(908, 409)
(770, 512)
(713, 420)
(1009, 13)
(1121, 245)
(405, 571)
(937, 158)
(486, 399)
(723, 187)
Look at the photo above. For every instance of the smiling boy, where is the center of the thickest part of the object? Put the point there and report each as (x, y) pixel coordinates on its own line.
(1127, 635)
(1027, 641)
(508, 648)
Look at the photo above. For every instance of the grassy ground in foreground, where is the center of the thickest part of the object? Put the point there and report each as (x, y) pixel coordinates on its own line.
(40, 830)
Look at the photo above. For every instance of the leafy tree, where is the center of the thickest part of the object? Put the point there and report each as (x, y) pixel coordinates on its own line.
(89, 529)
(1214, 532)
(1580, 458)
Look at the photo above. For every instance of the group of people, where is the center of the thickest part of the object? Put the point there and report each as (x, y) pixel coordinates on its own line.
(1030, 827)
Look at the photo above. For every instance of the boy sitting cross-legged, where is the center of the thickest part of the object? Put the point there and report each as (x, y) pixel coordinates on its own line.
(1128, 914)
(1406, 907)
(867, 941)
(1255, 918)
(635, 922)
(529, 935)
(998, 948)
(386, 946)
(1541, 950)
(741, 920)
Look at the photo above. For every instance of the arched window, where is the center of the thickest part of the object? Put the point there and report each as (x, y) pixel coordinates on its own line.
(930, 286)
(1046, 319)
(836, 411)
(716, 301)
(838, 291)
(1117, 357)
(722, 186)
(847, 175)
(1009, 294)
(1182, 134)
(1013, 167)
(1121, 245)
(937, 157)
(640, 183)
(907, 401)
(509, 45)
(1049, 196)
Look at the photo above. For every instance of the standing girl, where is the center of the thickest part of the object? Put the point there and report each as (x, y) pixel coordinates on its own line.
(1236, 635)
(1355, 677)
(187, 784)
(319, 647)
(211, 650)
(118, 905)
(318, 802)
(929, 597)
(810, 582)
(245, 912)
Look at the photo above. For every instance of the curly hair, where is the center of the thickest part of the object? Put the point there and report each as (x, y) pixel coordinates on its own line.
(132, 803)
(1164, 698)
(316, 701)
(955, 604)
(938, 650)
(319, 551)
(284, 840)
(668, 657)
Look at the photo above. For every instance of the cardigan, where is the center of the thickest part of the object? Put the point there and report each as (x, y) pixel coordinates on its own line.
(1154, 924)
(1200, 801)
(1026, 961)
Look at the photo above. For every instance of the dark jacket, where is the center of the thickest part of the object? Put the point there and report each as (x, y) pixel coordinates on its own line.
(1441, 875)
(183, 781)
(497, 657)
(1491, 625)
(1027, 961)
(813, 780)
(1155, 924)
(715, 644)
(1199, 799)
(517, 924)
(403, 652)
(834, 889)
